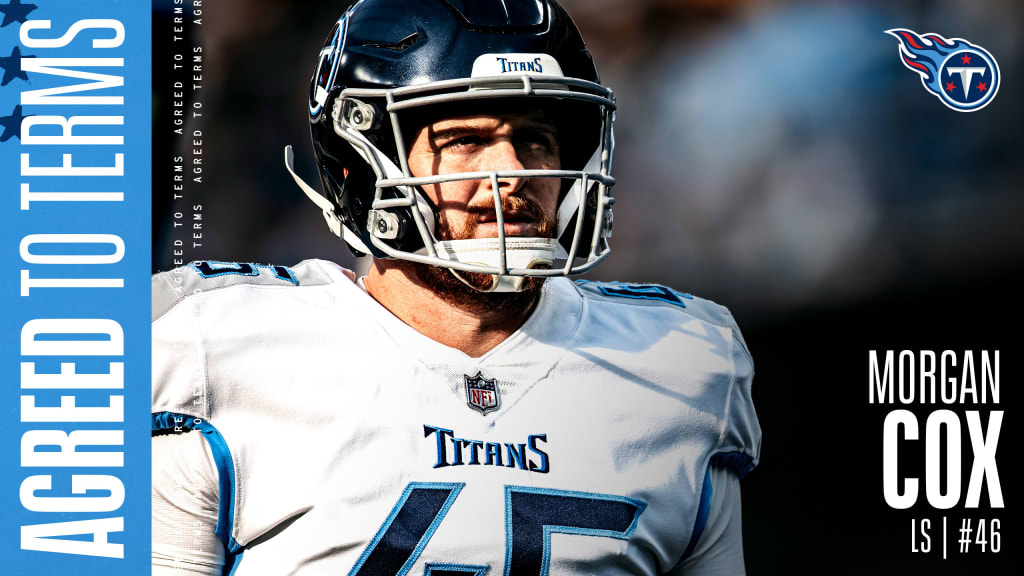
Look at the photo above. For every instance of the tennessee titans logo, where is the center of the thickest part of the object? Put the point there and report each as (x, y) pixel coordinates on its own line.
(323, 76)
(963, 75)
(482, 394)
(327, 65)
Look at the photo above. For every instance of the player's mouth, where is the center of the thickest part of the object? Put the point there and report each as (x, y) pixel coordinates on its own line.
(517, 223)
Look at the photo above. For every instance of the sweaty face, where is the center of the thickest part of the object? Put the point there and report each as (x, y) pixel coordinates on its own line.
(484, 142)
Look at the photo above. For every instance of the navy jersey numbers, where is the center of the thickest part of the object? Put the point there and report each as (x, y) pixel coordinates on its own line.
(531, 516)
(213, 269)
(640, 292)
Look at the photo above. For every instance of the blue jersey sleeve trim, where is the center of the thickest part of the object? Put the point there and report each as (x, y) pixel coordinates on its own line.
(170, 421)
(738, 462)
(702, 514)
(232, 562)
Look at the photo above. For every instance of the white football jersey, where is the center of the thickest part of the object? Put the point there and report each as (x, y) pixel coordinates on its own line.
(346, 442)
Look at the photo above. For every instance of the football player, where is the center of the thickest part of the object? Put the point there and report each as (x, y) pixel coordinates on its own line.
(464, 408)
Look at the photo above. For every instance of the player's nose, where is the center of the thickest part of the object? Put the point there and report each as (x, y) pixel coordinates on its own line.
(503, 157)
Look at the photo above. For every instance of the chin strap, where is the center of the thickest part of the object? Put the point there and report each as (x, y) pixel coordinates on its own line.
(325, 205)
(520, 252)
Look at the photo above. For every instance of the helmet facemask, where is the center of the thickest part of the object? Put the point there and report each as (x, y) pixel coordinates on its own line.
(369, 94)
(400, 207)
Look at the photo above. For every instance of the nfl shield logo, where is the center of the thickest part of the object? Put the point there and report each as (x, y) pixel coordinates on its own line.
(482, 394)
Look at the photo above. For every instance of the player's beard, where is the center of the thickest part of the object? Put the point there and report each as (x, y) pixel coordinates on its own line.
(468, 294)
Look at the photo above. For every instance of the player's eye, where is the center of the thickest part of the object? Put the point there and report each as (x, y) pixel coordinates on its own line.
(462, 143)
(537, 141)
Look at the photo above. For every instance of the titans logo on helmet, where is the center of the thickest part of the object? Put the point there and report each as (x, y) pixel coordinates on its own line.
(327, 65)
(963, 75)
(323, 76)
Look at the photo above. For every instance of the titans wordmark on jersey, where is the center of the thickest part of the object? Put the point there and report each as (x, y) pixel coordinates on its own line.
(348, 443)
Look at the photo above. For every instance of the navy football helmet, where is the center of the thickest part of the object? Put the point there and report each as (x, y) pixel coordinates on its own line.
(385, 61)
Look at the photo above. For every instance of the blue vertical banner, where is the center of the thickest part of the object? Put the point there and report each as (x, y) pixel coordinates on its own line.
(75, 227)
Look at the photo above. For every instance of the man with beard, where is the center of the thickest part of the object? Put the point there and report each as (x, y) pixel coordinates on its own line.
(463, 408)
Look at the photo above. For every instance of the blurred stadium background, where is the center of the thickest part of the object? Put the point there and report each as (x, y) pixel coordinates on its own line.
(769, 153)
(774, 156)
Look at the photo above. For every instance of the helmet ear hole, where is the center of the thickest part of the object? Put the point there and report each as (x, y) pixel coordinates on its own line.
(355, 114)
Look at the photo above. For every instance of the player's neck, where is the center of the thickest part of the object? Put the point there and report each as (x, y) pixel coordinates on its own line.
(472, 330)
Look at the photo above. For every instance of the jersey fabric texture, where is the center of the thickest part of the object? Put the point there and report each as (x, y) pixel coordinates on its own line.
(345, 442)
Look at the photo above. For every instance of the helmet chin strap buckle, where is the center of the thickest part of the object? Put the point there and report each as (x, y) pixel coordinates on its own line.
(520, 253)
(325, 205)
(499, 283)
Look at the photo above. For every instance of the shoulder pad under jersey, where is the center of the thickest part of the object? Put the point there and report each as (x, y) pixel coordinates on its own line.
(663, 296)
(172, 286)
(739, 443)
